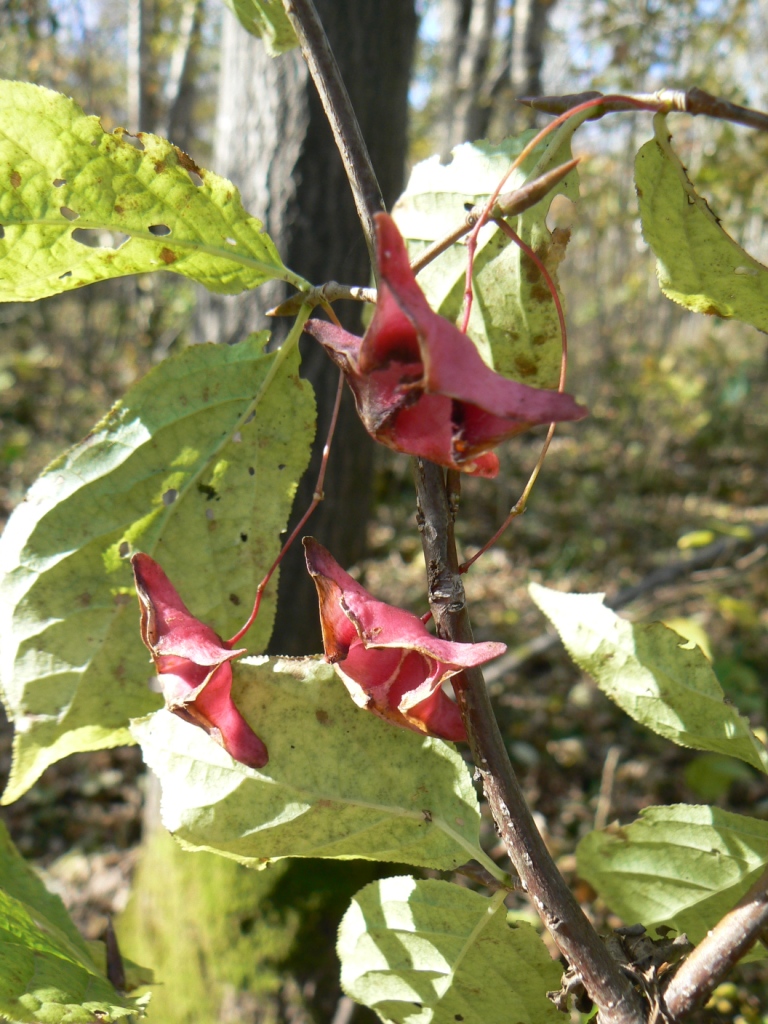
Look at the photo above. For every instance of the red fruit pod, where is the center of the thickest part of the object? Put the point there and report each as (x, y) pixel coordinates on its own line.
(420, 385)
(193, 665)
(388, 660)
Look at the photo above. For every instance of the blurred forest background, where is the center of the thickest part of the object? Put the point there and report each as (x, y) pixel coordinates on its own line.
(663, 489)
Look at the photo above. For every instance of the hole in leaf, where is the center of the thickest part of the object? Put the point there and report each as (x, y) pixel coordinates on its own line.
(281, 465)
(247, 925)
(237, 437)
(243, 537)
(249, 417)
(159, 229)
(58, 182)
(251, 471)
(234, 599)
(124, 550)
(195, 178)
(230, 241)
(209, 513)
(562, 213)
(170, 496)
(95, 239)
(2, 231)
(133, 140)
(67, 273)
(69, 214)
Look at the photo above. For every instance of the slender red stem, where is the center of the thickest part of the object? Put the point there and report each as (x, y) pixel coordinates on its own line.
(526, 151)
(519, 507)
(317, 497)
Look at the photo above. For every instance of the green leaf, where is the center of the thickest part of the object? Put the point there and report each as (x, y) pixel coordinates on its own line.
(428, 951)
(340, 782)
(48, 974)
(683, 866)
(72, 193)
(267, 20)
(698, 264)
(652, 674)
(514, 321)
(197, 466)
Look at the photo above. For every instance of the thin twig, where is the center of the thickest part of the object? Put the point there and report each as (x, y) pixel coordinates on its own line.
(551, 897)
(717, 954)
(666, 101)
(605, 796)
(341, 116)
(331, 291)
(508, 205)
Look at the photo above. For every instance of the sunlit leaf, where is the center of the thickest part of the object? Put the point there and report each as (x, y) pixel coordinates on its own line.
(78, 205)
(698, 264)
(653, 675)
(514, 321)
(429, 951)
(339, 783)
(268, 20)
(683, 866)
(197, 466)
(48, 974)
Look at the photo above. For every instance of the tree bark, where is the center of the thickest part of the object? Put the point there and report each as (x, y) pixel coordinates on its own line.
(485, 61)
(273, 141)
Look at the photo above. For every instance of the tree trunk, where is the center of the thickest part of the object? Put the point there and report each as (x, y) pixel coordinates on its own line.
(274, 143)
(531, 19)
(486, 60)
(453, 20)
(232, 945)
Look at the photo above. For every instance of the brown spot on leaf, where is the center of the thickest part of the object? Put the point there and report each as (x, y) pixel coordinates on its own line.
(540, 292)
(539, 339)
(15, 179)
(525, 366)
(119, 209)
(84, 599)
(234, 599)
(322, 716)
(186, 161)
(167, 256)
(159, 166)
(532, 272)
(713, 311)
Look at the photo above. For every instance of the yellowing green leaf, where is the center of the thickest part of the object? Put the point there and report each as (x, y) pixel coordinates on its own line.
(79, 205)
(426, 951)
(653, 675)
(47, 974)
(268, 20)
(340, 782)
(514, 321)
(197, 466)
(683, 866)
(698, 264)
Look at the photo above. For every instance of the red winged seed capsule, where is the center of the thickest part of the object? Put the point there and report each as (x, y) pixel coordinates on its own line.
(389, 662)
(420, 385)
(193, 664)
